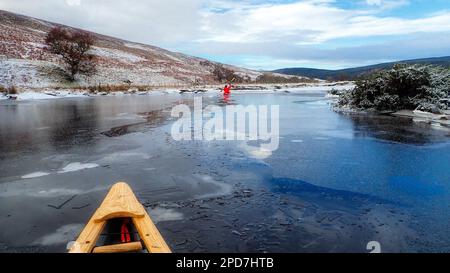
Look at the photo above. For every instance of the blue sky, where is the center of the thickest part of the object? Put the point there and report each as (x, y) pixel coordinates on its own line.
(265, 34)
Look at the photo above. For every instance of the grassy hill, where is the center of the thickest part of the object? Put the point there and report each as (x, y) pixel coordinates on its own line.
(26, 64)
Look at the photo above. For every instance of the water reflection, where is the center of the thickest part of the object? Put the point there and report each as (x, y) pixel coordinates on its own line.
(31, 127)
(152, 119)
(225, 99)
(308, 190)
(402, 130)
(415, 187)
(76, 124)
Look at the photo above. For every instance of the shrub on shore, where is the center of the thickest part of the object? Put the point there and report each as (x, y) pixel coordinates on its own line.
(334, 92)
(107, 88)
(402, 87)
(110, 88)
(12, 90)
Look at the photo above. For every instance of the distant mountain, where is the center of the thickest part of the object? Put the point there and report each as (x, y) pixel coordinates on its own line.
(354, 73)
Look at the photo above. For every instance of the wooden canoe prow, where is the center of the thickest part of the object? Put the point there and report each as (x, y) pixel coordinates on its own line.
(120, 203)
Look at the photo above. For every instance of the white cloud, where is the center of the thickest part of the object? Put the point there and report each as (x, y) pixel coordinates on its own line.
(387, 4)
(310, 22)
(269, 29)
(374, 2)
(73, 2)
(178, 21)
(149, 21)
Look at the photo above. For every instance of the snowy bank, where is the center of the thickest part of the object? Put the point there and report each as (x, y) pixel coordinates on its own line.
(33, 95)
(244, 88)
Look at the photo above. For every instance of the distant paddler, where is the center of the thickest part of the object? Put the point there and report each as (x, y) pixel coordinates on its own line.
(228, 86)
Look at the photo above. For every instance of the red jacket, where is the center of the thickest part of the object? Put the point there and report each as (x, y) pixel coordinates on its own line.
(227, 89)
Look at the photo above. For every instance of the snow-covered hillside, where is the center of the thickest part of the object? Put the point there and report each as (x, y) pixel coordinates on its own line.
(25, 63)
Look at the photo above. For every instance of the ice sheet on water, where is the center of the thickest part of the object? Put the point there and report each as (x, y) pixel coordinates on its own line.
(164, 214)
(27, 189)
(62, 235)
(255, 152)
(77, 166)
(124, 156)
(34, 175)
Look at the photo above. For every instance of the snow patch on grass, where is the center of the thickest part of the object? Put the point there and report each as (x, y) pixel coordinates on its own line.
(46, 95)
(136, 46)
(116, 54)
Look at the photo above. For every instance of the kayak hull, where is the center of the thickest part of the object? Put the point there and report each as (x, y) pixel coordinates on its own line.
(120, 203)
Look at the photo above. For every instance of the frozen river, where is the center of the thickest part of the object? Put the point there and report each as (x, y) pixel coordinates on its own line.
(335, 183)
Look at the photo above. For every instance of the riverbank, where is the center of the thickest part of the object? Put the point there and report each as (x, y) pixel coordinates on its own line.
(48, 93)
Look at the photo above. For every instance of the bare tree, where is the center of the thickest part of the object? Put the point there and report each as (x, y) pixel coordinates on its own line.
(73, 48)
(222, 73)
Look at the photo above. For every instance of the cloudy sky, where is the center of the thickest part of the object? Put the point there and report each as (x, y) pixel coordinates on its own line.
(265, 34)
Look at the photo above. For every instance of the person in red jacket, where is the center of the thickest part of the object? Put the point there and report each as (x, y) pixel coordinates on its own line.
(227, 93)
(227, 89)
